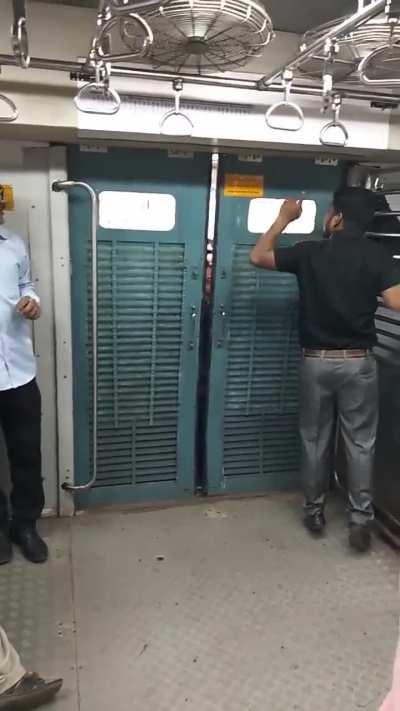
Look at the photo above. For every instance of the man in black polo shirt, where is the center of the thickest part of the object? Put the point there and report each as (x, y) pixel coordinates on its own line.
(340, 279)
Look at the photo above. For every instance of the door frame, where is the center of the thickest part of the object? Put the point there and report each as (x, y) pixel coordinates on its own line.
(63, 329)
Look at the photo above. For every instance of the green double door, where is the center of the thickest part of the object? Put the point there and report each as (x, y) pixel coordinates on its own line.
(150, 277)
(252, 432)
(151, 274)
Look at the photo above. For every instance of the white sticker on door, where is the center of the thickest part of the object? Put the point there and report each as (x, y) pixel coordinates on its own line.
(153, 212)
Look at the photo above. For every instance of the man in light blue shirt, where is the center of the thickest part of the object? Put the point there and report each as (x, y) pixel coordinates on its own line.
(20, 402)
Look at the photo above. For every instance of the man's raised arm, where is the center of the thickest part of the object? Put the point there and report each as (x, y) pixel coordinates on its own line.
(262, 255)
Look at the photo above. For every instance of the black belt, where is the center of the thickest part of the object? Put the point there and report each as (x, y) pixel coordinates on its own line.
(335, 352)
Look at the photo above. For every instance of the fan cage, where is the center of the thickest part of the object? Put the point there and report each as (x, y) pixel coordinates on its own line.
(207, 35)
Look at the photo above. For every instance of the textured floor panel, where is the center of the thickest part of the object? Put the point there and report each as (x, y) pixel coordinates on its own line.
(214, 607)
(230, 606)
(36, 611)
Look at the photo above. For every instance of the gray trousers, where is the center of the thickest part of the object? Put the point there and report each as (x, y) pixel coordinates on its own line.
(347, 389)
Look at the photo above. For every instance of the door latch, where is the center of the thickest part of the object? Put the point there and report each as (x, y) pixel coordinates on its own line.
(193, 327)
(222, 319)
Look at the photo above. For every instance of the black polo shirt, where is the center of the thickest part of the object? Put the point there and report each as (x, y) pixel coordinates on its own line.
(339, 281)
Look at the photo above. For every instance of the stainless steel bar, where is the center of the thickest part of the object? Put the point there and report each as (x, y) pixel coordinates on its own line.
(204, 80)
(124, 71)
(387, 213)
(212, 198)
(383, 171)
(131, 6)
(350, 23)
(382, 234)
(232, 83)
(59, 186)
(38, 63)
(389, 191)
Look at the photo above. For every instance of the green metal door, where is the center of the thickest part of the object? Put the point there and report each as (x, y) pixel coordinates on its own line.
(252, 438)
(150, 291)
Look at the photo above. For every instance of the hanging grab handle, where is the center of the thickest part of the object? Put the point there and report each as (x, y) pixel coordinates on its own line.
(167, 125)
(335, 132)
(14, 111)
(99, 88)
(94, 91)
(102, 44)
(292, 110)
(19, 34)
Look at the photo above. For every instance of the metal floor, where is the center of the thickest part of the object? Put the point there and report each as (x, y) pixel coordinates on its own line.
(218, 606)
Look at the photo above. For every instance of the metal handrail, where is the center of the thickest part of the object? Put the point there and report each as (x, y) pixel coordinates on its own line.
(365, 62)
(388, 169)
(229, 82)
(131, 6)
(59, 186)
(14, 111)
(383, 234)
(272, 120)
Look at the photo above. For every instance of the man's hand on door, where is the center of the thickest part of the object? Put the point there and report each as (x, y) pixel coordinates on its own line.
(291, 210)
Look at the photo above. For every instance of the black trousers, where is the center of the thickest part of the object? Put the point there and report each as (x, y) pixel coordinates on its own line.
(20, 420)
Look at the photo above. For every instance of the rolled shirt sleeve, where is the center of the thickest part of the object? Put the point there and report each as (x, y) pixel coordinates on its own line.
(26, 287)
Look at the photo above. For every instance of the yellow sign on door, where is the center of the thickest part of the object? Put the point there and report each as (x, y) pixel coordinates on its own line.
(240, 185)
(7, 196)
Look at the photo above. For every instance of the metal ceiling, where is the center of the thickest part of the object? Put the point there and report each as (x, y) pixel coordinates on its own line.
(287, 15)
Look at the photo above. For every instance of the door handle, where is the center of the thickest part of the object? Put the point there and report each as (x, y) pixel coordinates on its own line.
(193, 327)
(222, 319)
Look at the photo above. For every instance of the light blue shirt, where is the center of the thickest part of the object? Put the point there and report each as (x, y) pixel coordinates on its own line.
(17, 360)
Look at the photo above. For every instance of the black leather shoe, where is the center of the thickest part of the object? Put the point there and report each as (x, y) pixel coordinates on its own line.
(315, 522)
(32, 545)
(5, 547)
(360, 537)
(29, 693)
